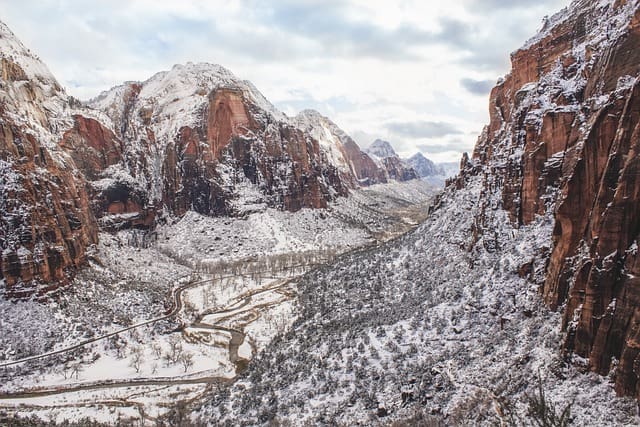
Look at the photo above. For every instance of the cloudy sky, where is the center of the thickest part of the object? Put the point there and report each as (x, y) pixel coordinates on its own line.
(414, 72)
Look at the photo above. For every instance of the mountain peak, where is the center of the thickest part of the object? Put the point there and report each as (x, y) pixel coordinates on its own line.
(309, 112)
(424, 166)
(381, 149)
(12, 49)
(418, 156)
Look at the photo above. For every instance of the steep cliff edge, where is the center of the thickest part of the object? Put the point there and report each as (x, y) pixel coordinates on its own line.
(563, 141)
(46, 223)
(198, 138)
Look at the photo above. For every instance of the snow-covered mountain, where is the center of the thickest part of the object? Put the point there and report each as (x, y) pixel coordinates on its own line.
(341, 149)
(385, 156)
(436, 174)
(195, 137)
(423, 166)
(381, 149)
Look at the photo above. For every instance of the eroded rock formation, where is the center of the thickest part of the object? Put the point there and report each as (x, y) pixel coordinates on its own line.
(564, 141)
(198, 138)
(46, 223)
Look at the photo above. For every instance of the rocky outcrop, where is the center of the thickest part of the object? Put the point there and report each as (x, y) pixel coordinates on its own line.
(46, 224)
(98, 153)
(385, 156)
(198, 138)
(563, 143)
(92, 146)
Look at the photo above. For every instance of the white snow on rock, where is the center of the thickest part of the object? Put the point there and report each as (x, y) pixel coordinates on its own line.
(327, 133)
(381, 149)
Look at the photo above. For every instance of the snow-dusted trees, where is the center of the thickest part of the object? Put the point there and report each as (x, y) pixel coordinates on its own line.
(76, 368)
(175, 350)
(136, 358)
(186, 360)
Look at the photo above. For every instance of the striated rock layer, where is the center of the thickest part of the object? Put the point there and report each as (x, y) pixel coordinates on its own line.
(197, 138)
(46, 224)
(564, 141)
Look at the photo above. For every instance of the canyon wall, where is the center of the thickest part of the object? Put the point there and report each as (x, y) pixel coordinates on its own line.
(564, 141)
(46, 224)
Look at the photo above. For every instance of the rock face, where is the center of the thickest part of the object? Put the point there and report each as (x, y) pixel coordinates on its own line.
(386, 158)
(198, 138)
(424, 167)
(564, 142)
(193, 138)
(46, 223)
(341, 149)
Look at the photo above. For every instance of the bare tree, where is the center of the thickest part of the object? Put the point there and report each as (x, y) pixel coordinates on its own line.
(65, 371)
(76, 369)
(157, 350)
(136, 358)
(186, 359)
(175, 349)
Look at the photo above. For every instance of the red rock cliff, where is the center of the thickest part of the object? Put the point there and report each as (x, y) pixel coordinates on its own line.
(198, 138)
(46, 219)
(564, 141)
(46, 223)
(280, 160)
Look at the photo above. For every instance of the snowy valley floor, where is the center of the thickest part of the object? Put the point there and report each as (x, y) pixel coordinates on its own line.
(232, 284)
(428, 327)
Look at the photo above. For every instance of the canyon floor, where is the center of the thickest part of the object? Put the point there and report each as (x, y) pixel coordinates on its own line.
(172, 316)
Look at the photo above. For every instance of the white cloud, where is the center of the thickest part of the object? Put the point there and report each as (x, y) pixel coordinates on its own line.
(366, 64)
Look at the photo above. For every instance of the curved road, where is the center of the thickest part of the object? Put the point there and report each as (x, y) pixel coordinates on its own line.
(177, 300)
(237, 338)
(176, 294)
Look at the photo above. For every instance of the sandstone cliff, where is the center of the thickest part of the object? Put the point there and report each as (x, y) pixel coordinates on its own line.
(196, 137)
(46, 223)
(563, 141)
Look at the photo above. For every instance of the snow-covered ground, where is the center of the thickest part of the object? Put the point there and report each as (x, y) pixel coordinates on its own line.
(239, 300)
(434, 325)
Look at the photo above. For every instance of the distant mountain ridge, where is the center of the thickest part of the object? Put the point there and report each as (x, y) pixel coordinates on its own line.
(416, 166)
(385, 156)
(424, 166)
